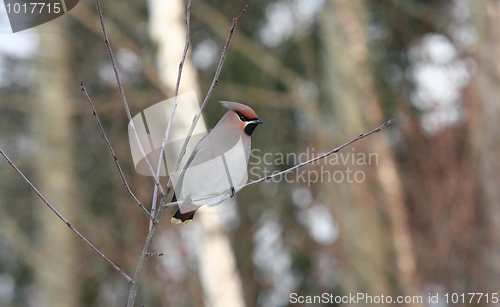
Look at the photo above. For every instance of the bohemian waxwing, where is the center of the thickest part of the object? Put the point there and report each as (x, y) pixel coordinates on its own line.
(218, 162)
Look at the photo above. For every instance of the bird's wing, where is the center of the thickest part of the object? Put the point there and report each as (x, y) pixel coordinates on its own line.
(188, 163)
(200, 152)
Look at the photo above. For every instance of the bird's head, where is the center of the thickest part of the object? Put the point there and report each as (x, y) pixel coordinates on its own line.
(241, 117)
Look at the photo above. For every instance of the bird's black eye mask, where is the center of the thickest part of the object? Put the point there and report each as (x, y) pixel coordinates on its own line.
(243, 118)
(252, 123)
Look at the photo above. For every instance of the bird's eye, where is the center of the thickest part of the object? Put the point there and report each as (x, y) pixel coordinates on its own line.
(242, 117)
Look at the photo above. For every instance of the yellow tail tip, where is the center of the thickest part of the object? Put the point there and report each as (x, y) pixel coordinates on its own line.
(175, 221)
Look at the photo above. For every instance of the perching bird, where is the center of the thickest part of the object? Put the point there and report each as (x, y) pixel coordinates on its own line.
(218, 162)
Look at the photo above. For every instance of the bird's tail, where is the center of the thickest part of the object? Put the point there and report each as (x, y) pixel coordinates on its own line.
(182, 218)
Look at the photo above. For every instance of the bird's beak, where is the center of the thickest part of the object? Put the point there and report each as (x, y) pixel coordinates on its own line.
(256, 121)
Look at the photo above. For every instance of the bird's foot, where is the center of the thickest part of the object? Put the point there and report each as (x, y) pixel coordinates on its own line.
(232, 192)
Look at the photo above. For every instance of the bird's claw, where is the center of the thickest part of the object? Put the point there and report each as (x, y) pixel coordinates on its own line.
(232, 192)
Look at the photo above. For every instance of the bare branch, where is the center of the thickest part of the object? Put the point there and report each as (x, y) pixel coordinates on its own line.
(112, 58)
(124, 99)
(209, 93)
(112, 152)
(161, 209)
(176, 93)
(63, 219)
(359, 137)
(142, 260)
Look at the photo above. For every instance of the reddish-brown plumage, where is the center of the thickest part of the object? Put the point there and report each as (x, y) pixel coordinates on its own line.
(238, 107)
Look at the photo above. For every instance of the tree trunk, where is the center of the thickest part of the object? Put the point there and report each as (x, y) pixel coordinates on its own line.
(361, 207)
(54, 164)
(219, 278)
(484, 128)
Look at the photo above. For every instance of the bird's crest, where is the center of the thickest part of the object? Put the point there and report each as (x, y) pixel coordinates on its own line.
(241, 108)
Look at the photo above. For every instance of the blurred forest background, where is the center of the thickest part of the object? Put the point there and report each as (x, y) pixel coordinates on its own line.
(424, 219)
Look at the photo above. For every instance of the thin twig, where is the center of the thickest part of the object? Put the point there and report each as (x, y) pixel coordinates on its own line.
(59, 215)
(124, 99)
(112, 152)
(209, 93)
(176, 93)
(161, 209)
(359, 137)
(110, 52)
